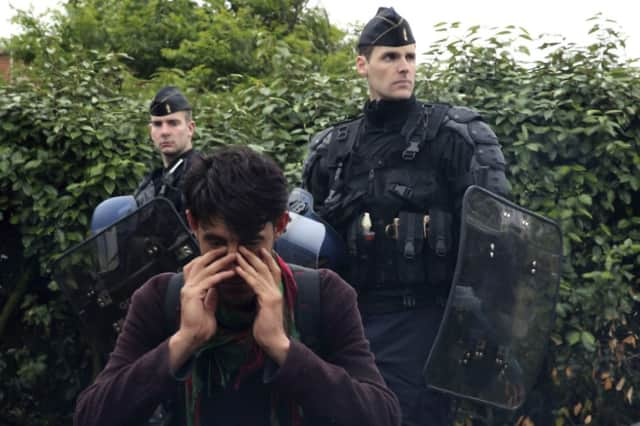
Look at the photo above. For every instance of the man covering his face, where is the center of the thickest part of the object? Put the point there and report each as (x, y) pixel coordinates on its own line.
(237, 356)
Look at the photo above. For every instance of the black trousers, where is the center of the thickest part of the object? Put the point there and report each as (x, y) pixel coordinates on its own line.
(401, 342)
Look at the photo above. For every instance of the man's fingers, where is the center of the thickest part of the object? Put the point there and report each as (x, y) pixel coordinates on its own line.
(198, 288)
(202, 261)
(208, 257)
(251, 261)
(244, 261)
(219, 265)
(246, 271)
(211, 299)
(262, 265)
(253, 279)
(271, 263)
(262, 282)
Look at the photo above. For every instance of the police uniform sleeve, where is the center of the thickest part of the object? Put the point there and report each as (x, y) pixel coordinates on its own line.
(315, 172)
(482, 161)
(137, 377)
(342, 386)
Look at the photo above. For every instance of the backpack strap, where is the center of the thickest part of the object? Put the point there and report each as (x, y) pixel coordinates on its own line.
(172, 302)
(170, 411)
(307, 309)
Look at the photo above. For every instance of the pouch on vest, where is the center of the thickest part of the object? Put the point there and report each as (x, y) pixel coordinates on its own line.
(439, 261)
(339, 209)
(361, 242)
(409, 248)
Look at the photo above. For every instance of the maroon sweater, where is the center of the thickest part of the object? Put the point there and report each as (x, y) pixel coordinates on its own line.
(342, 388)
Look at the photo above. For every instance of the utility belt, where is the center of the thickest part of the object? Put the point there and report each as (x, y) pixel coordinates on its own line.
(412, 250)
(386, 301)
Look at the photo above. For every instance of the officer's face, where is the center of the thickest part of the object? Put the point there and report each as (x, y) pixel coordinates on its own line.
(171, 134)
(390, 71)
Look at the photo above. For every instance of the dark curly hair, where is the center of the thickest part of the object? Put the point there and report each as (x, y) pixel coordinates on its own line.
(239, 186)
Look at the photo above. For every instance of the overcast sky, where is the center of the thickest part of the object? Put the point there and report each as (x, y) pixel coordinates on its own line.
(564, 17)
(567, 18)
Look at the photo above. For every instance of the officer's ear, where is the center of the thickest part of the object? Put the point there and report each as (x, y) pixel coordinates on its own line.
(362, 65)
(281, 223)
(193, 223)
(191, 125)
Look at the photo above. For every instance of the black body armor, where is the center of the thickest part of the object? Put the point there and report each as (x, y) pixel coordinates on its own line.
(166, 182)
(397, 202)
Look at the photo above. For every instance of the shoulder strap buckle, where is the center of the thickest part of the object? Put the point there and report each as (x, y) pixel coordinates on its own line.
(411, 151)
(342, 132)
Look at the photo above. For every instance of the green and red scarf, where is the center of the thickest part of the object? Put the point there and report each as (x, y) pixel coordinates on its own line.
(230, 357)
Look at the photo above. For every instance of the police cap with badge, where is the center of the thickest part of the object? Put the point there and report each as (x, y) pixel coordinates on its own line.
(387, 28)
(167, 101)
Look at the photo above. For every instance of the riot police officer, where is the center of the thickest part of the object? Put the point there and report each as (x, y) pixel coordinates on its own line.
(391, 182)
(171, 128)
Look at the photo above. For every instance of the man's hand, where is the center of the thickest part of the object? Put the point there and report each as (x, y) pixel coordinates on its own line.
(198, 302)
(263, 275)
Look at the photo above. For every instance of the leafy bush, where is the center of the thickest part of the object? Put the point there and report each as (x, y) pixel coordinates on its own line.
(69, 140)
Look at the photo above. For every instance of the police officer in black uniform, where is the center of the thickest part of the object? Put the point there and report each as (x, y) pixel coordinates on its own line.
(391, 182)
(171, 128)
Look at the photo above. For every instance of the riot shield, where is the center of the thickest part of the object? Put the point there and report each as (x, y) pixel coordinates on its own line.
(310, 243)
(301, 242)
(309, 240)
(99, 275)
(494, 333)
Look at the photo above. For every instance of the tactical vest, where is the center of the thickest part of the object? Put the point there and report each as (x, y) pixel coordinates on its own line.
(397, 215)
(165, 183)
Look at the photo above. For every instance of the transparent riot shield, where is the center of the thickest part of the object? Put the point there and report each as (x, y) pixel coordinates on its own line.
(500, 310)
(99, 275)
